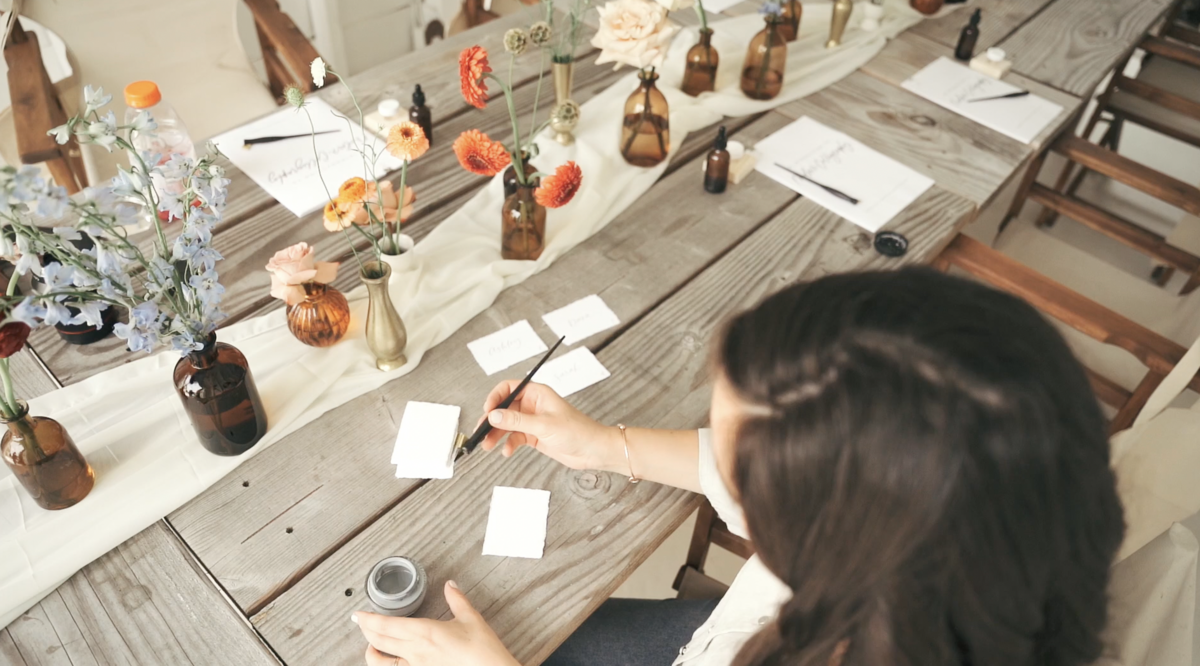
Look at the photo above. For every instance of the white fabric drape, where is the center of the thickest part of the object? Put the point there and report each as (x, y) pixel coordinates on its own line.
(132, 428)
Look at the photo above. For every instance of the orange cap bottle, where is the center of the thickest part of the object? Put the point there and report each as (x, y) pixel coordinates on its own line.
(142, 94)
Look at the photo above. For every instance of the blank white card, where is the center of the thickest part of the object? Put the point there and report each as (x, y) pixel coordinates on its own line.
(425, 444)
(517, 523)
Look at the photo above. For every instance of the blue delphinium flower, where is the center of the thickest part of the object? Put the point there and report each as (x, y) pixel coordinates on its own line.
(90, 313)
(57, 278)
(208, 289)
(28, 312)
(771, 8)
(94, 98)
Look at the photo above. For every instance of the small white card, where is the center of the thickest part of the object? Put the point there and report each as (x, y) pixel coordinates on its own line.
(586, 316)
(425, 444)
(287, 169)
(882, 186)
(517, 523)
(952, 85)
(572, 372)
(506, 347)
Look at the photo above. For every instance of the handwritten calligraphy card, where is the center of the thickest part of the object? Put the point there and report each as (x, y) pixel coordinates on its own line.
(953, 86)
(583, 318)
(572, 372)
(807, 155)
(506, 347)
(287, 169)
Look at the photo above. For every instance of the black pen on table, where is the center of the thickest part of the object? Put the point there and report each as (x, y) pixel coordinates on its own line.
(1011, 95)
(486, 427)
(835, 192)
(247, 143)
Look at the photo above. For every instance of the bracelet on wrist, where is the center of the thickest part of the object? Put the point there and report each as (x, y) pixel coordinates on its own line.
(633, 478)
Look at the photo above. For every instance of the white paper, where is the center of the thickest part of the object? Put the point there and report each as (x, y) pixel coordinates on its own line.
(950, 85)
(586, 316)
(715, 6)
(517, 523)
(572, 372)
(425, 444)
(883, 186)
(506, 347)
(287, 169)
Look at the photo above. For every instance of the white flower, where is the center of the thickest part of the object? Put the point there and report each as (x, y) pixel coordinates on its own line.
(633, 32)
(143, 122)
(61, 133)
(104, 131)
(318, 71)
(90, 313)
(94, 98)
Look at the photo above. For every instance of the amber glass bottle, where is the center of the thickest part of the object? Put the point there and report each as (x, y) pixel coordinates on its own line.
(762, 74)
(510, 176)
(420, 114)
(789, 20)
(45, 460)
(716, 166)
(218, 393)
(645, 132)
(700, 74)
(322, 318)
(523, 229)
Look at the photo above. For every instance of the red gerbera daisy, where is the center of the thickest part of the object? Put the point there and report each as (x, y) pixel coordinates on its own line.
(559, 189)
(479, 154)
(472, 65)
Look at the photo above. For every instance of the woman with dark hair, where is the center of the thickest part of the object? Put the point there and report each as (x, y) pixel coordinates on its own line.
(921, 466)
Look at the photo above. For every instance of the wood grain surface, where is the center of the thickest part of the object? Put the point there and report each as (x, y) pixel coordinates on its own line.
(998, 20)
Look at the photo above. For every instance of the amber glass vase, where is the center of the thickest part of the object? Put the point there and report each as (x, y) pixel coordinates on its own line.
(218, 393)
(762, 75)
(523, 229)
(510, 175)
(322, 318)
(645, 132)
(789, 19)
(700, 74)
(44, 459)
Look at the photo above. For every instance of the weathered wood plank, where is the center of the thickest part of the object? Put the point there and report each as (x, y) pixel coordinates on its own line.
(37, 641)
(659, 379)
(325, 497)
(9, 654)
(1074, 44)
(1000, 19)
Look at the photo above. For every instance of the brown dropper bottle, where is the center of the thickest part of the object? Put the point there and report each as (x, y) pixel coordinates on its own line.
(716, 167)
(419, 113)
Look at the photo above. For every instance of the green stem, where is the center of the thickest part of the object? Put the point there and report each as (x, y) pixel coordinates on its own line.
(699, 7)
(9, 405)
(762, 74)
(518, 166)
(399, 211)
(538, 94)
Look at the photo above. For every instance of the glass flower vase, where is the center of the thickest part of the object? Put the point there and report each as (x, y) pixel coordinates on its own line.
(322, 318)
(523, 228)
(217, 390)
(762, 73)
(789, 19)
(510, 175)
(386, 335)
(645, 132)
(44, 459)
(700, 73)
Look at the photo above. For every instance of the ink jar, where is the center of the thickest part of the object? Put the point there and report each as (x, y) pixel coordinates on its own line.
(396, 586)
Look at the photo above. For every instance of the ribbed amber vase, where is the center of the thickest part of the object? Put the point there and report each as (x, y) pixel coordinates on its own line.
(322, 318)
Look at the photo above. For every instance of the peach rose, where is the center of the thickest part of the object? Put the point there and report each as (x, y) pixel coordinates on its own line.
(633, 32)
(292, 267)
(356, 211)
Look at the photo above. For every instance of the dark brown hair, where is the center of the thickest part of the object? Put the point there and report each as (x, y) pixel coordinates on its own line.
(930, 475)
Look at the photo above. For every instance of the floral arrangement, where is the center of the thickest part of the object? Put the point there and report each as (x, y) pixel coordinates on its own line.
(636, 32)
(294, 267)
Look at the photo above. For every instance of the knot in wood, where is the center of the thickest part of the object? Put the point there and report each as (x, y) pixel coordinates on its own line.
(923, 120)
(690, 342)
(590, 484)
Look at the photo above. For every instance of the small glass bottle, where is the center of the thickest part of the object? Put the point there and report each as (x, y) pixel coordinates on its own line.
(762, 74)
(789, 25)
(45, 460)
(645, 130)
(716, 167)
(970, 35)
(218, 393)
(420, 114)
(700, 74)
(523, 226)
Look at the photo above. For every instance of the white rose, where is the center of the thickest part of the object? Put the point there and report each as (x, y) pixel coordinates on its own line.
(633, 32)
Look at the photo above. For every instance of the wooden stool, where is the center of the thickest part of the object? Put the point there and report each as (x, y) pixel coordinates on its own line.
(691, 582)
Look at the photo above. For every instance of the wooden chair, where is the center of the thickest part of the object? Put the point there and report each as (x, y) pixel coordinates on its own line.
(287, 54)
(1157, 353)
(691, 582)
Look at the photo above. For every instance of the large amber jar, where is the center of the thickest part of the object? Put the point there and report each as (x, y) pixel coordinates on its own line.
(789, 19)
(700, 73)
(762, 74)
(322, 318)
(523, 229)
(645, 131)
(218, 393)
(45, 460)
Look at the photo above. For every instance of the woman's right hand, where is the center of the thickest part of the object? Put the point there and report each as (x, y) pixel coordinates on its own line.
(540, 418)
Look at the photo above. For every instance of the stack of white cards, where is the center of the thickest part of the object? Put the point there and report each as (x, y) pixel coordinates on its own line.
(425, 444)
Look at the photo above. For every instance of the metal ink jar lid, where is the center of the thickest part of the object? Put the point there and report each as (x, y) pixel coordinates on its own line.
(891, 244)
(396, 586)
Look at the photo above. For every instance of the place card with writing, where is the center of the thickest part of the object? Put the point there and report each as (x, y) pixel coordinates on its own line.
(425, 443)
(287, 169)
(517, 523)
(506, 347)
(572, 372)
(984, 99)
(586, 316)
(839, 173)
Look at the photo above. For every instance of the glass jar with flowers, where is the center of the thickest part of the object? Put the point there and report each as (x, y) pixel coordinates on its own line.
(762, 71)
(700, 71)
(523, 213)
(317, 314)
(170, 288)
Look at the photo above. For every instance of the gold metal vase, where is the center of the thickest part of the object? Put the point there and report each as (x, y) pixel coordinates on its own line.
(386, 335)
(841, 16)
(565, 116)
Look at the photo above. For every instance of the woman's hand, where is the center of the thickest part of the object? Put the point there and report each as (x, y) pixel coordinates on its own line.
(467, 640)
(546, 422)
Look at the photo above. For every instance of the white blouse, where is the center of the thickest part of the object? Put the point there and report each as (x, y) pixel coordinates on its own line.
(754, 598)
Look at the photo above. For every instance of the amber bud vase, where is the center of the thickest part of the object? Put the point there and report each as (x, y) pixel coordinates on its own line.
(510, 175)
(523, 228)
(45, 460)
(700, 73)
(762, 74)
(322, 318)
(218, 393)
(645, 132)
(789, 19)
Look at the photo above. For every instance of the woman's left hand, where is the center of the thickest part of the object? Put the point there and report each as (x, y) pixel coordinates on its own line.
(406, 641)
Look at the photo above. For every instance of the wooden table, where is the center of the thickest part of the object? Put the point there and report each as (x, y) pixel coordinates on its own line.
(266, 565)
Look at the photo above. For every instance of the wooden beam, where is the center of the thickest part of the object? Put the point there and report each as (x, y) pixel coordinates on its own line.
(1163, 98)
(1172, 51)
(1108, 391)
(1183, 34)
(1122, 169)
(287, 39)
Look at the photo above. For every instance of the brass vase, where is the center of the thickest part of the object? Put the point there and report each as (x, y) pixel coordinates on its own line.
(841, 16)
(700, 73)
(565, 116)
(645, 131)
(564, 80)
(790, 25)
(44, 459)
(386, 335)
(322, 318)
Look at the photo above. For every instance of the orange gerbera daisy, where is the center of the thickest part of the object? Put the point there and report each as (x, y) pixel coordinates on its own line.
(407, 141)
(479, 154)
(354, 189)
(472, 65)
(559, 189)
(336, 217)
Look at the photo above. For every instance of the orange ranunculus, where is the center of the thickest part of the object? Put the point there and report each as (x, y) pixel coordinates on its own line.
(352, 190)
(407, 141)
(559, 189)
(472, 65)
(12, 337)
(479, 154)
